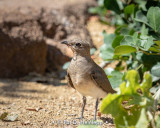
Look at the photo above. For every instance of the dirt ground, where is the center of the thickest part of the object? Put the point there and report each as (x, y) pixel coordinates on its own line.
(49, 105)
(43, 105)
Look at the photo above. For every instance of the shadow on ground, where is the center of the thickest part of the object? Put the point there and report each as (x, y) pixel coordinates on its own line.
(25, 89)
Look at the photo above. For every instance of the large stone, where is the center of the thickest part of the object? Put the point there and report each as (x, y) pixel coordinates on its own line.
(19, 56)
(30, 35)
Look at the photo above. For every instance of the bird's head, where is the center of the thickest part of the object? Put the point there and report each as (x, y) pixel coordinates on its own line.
(78, 46)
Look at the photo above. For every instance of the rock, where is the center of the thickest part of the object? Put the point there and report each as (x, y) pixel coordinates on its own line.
(23, 50)
(30, 36)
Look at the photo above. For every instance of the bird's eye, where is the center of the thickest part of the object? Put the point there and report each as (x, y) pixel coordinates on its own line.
(78, 44)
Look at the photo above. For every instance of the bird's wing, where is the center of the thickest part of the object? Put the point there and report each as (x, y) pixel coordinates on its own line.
(101, 80)
(70, 81)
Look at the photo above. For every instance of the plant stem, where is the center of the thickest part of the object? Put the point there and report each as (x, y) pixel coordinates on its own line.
(150, 53)
(139, 67)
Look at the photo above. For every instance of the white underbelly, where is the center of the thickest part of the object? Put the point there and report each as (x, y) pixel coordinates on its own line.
(88, 88)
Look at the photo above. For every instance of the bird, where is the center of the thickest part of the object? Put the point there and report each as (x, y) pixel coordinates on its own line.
(84, 75)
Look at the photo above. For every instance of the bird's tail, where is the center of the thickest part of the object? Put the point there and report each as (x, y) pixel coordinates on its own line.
(113, 91)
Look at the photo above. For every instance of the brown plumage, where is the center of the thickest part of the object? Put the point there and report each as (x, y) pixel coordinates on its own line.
(84, 74)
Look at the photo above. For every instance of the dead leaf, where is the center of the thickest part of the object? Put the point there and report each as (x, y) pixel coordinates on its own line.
(3, 115)
(34, 109)
(99, 114)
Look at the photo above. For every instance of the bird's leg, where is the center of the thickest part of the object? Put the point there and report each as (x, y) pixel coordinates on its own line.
(96, 108)
(84, 103)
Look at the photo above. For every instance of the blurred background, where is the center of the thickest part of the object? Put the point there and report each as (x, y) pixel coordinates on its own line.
(31, 32)
(123, 35)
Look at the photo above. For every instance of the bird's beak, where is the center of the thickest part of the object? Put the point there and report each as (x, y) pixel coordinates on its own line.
(65, 42)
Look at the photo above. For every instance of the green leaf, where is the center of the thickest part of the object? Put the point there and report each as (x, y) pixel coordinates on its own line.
(117, 31)
(98, 10)
(155, 70)
(100, 2)
(144, 30)
(92, 51)
(127, 40)
(108, 38)
(147, 84)
(66, 65)
(154, 78)
(140, 17)
(112, 5)
(124, 31)
(104, 47)
(154, 89)
(157, 42)
(108, 71)
(115, 79)
(143, 122)
(107, 54)
(117, 40)
(106, 50)
(128, 10)
(153, 17)
(93, 10)
(154, 49)
(142, 4)
(130, 40)
(158, 122)
(124, 49)
(132, 77)
(128, 107)
(135, 37)
(116, 20)
(110, 101)
(158, 47)
(145, 44)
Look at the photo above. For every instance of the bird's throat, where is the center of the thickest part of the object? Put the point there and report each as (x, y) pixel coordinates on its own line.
(79, 56)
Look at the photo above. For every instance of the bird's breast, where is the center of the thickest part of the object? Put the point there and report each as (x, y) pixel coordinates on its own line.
(79, 71)
(85, 85)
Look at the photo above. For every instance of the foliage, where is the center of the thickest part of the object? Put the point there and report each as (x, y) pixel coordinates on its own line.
(66, 65)
(115, 77)
(136, 42)
(130, 106)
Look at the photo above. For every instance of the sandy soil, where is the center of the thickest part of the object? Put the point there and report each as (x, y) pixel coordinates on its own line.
(43, 105)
